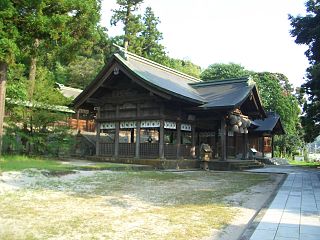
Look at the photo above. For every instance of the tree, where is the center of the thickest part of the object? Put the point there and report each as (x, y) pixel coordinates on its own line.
(84, 67)
(184, 66)
(306, 31)
(219, 71)
(276, 95)
(8, 50)
(132, 25)
(151, 36)
(54, 30)
(80, 72)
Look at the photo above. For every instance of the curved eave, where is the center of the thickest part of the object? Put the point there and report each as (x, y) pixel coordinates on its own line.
(257, 100)
(144, 81)
(82, 97)
(103, 75)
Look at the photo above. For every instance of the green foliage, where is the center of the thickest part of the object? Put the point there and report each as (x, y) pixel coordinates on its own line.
(17, 82)
(306, 31)
(63, 28)
(18, 163)
(143, 37)
(224, 71)
(8, 32)
(151, 48)
(184, 66)
(276, 95)
(51, 142)
(132, 24)
(82, 71)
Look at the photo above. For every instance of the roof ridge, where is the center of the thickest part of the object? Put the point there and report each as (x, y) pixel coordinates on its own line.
(246, 79)
(155, 64)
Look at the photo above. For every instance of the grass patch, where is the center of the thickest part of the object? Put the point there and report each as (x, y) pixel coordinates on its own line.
(305, 164)
(18, 163)
(111, 166)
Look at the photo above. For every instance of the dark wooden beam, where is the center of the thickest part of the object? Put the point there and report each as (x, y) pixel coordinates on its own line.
(94, 101)
(138, 140)
(161, 140)
(178, 139)
(97, 139)
(116, 140)
(223, 139)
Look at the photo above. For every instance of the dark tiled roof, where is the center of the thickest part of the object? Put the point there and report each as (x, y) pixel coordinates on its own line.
(224, 93)
(271, 124)
(162, 77)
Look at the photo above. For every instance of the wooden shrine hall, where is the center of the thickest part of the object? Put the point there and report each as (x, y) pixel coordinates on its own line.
(144, 110)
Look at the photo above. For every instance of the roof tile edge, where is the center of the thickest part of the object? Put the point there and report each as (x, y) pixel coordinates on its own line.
(126, 54)
(247, 79)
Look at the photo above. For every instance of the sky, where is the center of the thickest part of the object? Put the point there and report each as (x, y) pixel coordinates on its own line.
(253, 33)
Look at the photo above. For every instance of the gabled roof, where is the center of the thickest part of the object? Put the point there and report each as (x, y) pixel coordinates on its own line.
(164, 78)
(224, 93)
(271, 125)
(154, 75)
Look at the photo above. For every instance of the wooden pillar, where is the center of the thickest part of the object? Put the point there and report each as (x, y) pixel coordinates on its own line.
(178, 139)
(161, 140)
(245, 146)
(87, 122)
(78, 116)
(97, 130)
(223, 139)
(262, 146)
(236, 144)
(193, 141)
(98, 138)
(116, 140)
(138, 140)
(272, 145)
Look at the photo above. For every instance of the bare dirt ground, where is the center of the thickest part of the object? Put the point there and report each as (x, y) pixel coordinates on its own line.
(130, 205)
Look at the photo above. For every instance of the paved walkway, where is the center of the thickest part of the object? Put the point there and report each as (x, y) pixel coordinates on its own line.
(294, 213)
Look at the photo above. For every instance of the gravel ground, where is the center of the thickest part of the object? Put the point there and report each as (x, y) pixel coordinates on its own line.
(130, 205)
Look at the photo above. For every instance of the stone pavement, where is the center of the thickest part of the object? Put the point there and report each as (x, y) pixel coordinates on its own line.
(294, 212)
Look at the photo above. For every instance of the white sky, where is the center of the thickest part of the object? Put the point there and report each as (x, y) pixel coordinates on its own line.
(253, 33)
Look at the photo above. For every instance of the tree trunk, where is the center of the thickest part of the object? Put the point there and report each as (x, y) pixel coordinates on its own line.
(126, 22)
(3, 79)
(32, 76)
(33, 69)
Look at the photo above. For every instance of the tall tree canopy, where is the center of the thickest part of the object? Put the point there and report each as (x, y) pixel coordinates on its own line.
(54, 31)
(223, 71)
(132, 26)
(142, 37)
(151, 48)
(49, 37)
(306, 31)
